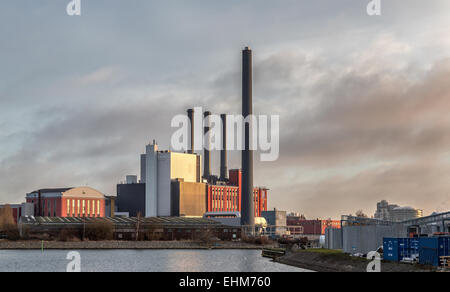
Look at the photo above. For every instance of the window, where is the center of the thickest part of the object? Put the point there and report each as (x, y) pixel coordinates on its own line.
(49, 207)
(54, 207)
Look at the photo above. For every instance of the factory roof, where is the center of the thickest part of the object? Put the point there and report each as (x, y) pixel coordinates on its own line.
(84, 192)
(175, 221)
(55, 190)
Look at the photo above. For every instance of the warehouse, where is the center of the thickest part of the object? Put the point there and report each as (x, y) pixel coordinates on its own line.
(155, 228)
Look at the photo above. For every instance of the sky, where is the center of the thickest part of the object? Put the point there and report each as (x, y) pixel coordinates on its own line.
(363, 100)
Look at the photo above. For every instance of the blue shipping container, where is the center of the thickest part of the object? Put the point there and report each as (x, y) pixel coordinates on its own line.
(432, 248)
(396, 249)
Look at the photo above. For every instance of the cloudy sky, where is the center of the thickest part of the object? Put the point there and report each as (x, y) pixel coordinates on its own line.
(363, 101)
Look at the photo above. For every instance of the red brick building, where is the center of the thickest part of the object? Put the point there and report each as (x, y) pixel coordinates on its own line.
(310, 227)
(68, 202)
(227, 197)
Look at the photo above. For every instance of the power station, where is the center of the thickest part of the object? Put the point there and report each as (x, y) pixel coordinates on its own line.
(174, 185)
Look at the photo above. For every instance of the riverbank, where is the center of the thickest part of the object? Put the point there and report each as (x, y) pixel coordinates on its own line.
(35, 244)
(322, 260)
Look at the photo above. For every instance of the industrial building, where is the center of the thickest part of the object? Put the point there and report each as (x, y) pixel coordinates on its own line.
(18, 210)
(277, 220)
(67, 202)
(174, 185)
(396, 213)
(188, 199)
(310, 227)
(161, 167)
(131, 199)
(362, 235)
(227, 196)
(155, 228)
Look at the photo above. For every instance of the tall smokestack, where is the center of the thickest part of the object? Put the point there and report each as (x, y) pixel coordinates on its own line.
(207, 153)
(223, 152)
(190, 113)
(247, 209)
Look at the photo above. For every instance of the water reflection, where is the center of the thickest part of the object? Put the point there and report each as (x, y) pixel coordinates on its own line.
(143, 261)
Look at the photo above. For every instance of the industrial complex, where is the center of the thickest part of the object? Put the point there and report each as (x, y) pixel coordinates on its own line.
(171, 185)
(178, 197)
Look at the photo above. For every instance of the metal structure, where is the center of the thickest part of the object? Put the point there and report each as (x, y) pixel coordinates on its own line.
(361, 235)
(248, 217)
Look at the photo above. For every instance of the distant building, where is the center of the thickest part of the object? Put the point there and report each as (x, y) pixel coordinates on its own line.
(18, 210)
(392, 212)
(110, 206)
(405, 213)
(67, 202)
(131, 179)
(310, 227)
(131, 199)
(384, 210)
(275, 217)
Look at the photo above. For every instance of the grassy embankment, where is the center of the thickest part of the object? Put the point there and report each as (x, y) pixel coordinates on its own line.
(325, 260)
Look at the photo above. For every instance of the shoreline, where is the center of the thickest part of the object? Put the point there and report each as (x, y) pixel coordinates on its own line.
(335, 261)
(111, 245)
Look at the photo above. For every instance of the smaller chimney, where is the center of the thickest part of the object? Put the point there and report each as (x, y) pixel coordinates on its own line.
(206, 144)
(223, 152)
(190, 113)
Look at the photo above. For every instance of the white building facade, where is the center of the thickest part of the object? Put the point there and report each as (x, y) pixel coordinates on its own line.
(160, 169)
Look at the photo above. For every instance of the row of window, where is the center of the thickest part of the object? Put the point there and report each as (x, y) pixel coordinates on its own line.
(83, 208)
(220, 191)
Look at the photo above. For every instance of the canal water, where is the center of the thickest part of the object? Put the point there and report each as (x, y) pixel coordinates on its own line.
(142, 261)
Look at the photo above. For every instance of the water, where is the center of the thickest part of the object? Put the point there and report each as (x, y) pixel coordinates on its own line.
(142, 261)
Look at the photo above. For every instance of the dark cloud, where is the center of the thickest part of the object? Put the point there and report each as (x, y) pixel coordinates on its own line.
(362, 101)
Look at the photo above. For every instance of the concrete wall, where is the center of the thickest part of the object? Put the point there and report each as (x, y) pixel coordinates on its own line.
(363, 239)
(185, 166)
(188, 199)
(333, 238)
(164, 181)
